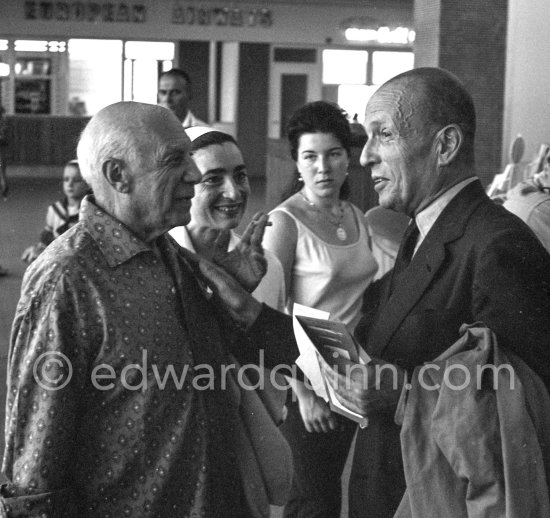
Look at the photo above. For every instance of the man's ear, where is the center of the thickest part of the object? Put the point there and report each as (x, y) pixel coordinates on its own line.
(450, 140)
(116, 175)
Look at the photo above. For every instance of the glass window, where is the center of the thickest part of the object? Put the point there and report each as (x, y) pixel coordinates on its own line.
(143, 62)
(140, 80)
(106, 71)
(386, 64)
(95, 75)
(345, 66)
(357, 81)
(354, 99)
(155, 50)
(79, 76)
(32, 67)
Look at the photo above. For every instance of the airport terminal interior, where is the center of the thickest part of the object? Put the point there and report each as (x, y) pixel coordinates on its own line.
(252, 64)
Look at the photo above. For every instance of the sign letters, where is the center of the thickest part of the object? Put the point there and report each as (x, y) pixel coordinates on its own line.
(85, 12)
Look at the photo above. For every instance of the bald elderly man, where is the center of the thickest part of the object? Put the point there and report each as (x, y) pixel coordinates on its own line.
(462, 260)
(117, 404)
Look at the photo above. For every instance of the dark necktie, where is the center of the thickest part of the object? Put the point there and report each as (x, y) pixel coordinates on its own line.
(406, 251)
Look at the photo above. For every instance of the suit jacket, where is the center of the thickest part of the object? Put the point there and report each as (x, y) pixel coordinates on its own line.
(478, 263)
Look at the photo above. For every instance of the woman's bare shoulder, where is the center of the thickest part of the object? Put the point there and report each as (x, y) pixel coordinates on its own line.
(290, 207)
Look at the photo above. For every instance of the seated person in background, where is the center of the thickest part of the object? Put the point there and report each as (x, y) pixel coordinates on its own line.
(530, 200)
(62, 214)
(220, 203)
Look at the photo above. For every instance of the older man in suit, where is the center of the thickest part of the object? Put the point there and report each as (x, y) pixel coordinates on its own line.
(462, 260)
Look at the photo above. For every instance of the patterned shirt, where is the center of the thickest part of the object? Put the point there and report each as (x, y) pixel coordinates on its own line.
(124, 431)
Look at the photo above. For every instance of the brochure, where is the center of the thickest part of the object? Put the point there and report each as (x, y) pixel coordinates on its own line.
(316, 336)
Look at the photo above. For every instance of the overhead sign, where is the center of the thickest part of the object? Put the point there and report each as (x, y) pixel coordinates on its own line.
(85, 12)
(221, 16)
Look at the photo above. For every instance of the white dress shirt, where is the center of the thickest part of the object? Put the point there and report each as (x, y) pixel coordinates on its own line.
(426, 218)
(191, 120)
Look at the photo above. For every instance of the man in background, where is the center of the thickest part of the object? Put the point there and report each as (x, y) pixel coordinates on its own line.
(175, 93)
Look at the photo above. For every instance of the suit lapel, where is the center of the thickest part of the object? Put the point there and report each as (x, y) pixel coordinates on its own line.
(412, 283)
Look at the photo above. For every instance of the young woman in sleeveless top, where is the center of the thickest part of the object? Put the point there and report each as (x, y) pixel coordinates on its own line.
(323, 246)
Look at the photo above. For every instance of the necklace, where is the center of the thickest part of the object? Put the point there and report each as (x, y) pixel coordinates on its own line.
(341, 233)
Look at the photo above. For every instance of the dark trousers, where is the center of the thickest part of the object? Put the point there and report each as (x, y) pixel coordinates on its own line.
(319, 460)
(377, 480)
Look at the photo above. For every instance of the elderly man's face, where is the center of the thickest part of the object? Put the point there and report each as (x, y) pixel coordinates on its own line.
(399, 151)
(164, 179)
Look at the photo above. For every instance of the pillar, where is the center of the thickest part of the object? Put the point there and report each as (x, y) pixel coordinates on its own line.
(468, 38)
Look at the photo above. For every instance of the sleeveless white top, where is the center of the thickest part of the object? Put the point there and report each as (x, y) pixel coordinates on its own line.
(331, 277)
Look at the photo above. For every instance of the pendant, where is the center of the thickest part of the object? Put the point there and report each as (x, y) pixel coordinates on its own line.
(341, 234)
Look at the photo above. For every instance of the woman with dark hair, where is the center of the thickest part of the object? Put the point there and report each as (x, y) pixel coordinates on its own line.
(322, 243)
(220, 202)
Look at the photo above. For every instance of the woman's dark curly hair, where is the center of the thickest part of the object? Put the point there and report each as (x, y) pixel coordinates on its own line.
(317, 117)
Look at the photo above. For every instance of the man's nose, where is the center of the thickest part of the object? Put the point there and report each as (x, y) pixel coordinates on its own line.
(367, 153)
(191, 173)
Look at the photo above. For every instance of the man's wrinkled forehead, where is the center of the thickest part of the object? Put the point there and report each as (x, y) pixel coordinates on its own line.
(399, 101)
(174, 145)
(161, 137)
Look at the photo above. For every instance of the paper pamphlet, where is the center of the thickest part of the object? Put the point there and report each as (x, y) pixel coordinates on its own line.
(316, 336)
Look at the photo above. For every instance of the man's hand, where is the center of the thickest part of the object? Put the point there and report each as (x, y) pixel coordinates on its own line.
(366, 389)
(316, 414)
(242, 306)
(246, 262)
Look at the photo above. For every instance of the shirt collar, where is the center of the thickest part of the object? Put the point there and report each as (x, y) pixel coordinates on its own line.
(181, 235)
(426, 218)
(190, 120)
(116, 241)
